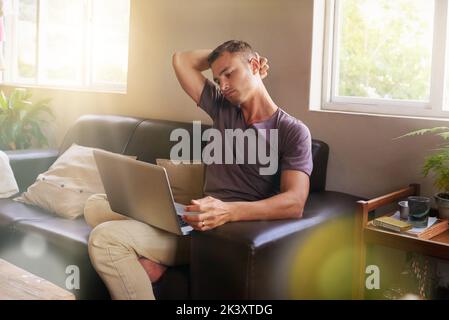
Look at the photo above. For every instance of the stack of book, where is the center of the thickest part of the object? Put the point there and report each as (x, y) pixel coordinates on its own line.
(394, 223)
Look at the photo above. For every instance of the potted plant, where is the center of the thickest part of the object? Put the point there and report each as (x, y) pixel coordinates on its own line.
(21, 121)
(438, 165)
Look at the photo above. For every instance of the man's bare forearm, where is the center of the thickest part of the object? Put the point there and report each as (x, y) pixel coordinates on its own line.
(189, 66)
(196, 59)
(282, 206)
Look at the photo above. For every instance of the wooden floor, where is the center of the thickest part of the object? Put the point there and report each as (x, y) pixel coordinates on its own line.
(18, 284)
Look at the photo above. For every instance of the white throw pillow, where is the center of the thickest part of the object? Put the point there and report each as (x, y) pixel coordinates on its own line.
(186, 179)
(66, 186)
(8, 183)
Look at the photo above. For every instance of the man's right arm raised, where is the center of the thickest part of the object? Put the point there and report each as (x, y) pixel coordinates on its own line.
(189, 66)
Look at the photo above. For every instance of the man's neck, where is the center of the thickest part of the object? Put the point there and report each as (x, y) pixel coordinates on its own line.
(259, 107)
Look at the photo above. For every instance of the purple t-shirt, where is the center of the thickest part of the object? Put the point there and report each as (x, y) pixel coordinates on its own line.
(244, 182)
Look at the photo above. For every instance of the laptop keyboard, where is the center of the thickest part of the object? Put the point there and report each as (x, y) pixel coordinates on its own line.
(181, 222)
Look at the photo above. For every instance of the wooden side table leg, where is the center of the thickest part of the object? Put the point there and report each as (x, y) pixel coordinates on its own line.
(358, 279)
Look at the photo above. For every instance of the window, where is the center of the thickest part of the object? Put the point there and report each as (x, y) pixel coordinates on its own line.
(382, 56)
(81, 44)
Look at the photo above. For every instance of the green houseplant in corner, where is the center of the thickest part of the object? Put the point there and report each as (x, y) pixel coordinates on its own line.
(437, 164)
(21, 120)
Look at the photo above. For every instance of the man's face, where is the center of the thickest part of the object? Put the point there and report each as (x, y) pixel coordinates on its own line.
(234, 76)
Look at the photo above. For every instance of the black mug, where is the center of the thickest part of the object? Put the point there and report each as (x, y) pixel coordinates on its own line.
(419, 208)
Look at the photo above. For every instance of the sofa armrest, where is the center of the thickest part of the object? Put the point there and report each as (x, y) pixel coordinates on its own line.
(248, 260)
(283, 259)
(320, 152)
(28, 164)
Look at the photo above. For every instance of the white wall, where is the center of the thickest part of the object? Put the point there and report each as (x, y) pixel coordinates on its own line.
(364, 159)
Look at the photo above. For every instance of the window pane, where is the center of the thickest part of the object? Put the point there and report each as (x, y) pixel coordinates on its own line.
(110, 41)
(385, 49)
(26, 39)
(61, 39)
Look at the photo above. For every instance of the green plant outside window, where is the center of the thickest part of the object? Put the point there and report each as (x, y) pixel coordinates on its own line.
(21, 121)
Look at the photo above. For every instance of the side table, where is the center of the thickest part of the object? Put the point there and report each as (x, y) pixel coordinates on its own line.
(365, 233)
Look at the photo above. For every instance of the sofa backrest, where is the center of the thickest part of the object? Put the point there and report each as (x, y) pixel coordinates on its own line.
(149, 139)
(108, 132)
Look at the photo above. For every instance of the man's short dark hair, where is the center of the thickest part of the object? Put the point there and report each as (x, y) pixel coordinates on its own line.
(231, 46)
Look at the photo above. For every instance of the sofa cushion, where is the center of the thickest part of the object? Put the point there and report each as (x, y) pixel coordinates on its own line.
(186, 179)
(12, 212)
(24, 217)
(66, 186)
(59, 231)
(8, 183)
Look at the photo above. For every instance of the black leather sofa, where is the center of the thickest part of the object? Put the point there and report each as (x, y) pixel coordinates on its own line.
(242, 260)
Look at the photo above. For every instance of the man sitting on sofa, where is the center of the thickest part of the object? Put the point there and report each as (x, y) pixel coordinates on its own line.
(130, 255)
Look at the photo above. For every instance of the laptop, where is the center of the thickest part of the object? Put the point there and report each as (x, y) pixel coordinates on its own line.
(141, 191)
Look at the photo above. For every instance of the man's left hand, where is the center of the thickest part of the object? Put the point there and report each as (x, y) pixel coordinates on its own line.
(213, 213)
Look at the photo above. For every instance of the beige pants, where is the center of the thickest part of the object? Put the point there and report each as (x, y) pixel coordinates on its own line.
(116, 244)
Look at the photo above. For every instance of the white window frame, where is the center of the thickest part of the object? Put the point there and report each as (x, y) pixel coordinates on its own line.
(324, 70)
(10, 75)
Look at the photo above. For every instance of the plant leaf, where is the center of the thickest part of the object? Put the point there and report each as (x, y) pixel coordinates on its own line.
(423, 132)
(21, 120)
(3, 101)
(444, 135)
(37, 133)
